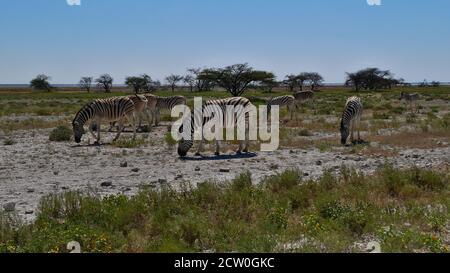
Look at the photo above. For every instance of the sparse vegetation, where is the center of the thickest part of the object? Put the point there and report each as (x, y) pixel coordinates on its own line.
(60, 134)
(407, 211)
(129, 143)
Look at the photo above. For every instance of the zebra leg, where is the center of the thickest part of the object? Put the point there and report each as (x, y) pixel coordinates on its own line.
(158, 117)
(217, 148)
(98, 133)
(133, 118)
(352, 128)
(121, 127)
(247, 138)
(92, 131)
(200, 148)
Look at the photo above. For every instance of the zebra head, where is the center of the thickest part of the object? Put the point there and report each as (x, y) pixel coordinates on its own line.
(184, 145)
(78, 131)
(345, 132)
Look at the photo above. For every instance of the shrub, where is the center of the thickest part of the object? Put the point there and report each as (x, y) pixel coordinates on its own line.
(129, 143)
(169, 139)
(61, 133)
(9, 142)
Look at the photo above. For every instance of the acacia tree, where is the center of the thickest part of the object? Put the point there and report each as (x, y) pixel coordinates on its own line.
(136, 83)
(173, 80)
(41, 82)
(190, 81)
(302, 78)
(270, 83)
(105, 82)
(371, 79)
(86, 83)
(235, 78)
(201, 84)
(291, 81)
(315, 79)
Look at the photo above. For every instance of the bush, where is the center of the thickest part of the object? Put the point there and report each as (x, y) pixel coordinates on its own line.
(129, 143)
(9, 142)
(61, 133)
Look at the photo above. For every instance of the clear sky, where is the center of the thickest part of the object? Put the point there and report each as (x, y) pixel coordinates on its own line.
(159, 37)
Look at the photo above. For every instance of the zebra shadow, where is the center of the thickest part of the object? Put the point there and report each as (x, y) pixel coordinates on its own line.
(90, 145)
(220, 157)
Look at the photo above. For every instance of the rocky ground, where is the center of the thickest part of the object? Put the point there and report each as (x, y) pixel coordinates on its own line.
(33, 166)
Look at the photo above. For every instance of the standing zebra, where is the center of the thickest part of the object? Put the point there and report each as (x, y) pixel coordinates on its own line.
(351, 118)
(410, 98)
(151, 109)
(303, 96)
(110, 110)
(282, 101)
(167, 103)
(140, 105)
(214, 106)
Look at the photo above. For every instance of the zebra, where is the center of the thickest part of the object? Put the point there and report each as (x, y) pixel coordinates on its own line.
(351, 119)
(282, 101)
(112, 109)
(218, 105)
(167, 103)
(140, 105)
(151, 109)
(410, 98)
(302, 96)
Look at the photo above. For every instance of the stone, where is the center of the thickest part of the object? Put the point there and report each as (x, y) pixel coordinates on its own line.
(319, 163)
(197, 169)
(224, 170)
(123, 164)
(106, 184)
(28, 212)
(9, 207)
(162, 181)
(135, 170)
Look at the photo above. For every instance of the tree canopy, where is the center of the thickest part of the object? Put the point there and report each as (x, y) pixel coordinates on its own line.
(105, 82)
(41, 82)
(235, 78)
(371, 79)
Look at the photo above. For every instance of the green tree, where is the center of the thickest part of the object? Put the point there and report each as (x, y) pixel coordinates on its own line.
(235, 78)
(105, 82)
(86, 83)
(41, 82)
(173, 80)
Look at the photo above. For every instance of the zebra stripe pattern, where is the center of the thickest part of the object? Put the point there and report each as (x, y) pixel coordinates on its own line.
(303, 96)
(167, 103)
(140, 105)
(108, 110)
(351, 119)
(283, 101)
(411, 98)
(215, 106)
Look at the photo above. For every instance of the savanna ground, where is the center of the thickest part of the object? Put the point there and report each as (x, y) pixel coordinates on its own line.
(312, 195)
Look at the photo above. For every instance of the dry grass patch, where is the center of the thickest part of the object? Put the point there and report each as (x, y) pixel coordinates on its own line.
(418, 140)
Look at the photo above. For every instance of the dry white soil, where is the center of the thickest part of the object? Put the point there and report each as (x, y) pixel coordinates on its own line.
(34, 166)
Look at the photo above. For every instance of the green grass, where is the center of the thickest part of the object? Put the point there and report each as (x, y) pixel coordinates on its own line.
(405, 211)
(129, 143)
(60, 134)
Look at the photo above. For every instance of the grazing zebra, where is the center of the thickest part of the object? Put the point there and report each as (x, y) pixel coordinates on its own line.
(167, 103)
(410, 98)
(218, 105)
(351, 119)
(282, 101)
(151, 109)
(303, 96)
(110, 110)
(140, 105)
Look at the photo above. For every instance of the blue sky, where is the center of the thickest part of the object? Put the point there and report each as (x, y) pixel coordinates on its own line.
(159, 37)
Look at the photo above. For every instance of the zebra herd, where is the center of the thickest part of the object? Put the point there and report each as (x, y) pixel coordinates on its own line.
(122, 109)
(118, 110)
